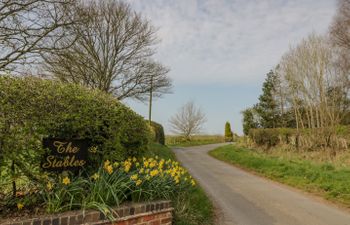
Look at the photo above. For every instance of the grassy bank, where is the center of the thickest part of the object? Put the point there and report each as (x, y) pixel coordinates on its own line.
(192, 208)
(195, 140)
(323, 179)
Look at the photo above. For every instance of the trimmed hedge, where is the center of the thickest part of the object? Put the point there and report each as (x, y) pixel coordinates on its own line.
(336, 138)
(33, 108)
(157, 132)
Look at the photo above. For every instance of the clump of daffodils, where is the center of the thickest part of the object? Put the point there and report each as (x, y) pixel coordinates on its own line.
(145, 170)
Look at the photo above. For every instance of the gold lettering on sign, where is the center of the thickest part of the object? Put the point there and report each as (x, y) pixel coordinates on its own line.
(68, 161)
(63, 147)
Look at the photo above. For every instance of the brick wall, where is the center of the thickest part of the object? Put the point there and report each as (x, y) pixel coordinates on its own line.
(154, 213)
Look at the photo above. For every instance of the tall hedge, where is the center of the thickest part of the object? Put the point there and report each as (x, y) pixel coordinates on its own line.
(158, 132)
(337, 138)
(32, 109)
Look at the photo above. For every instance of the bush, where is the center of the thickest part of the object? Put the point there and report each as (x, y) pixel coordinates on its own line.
(228, 132)
(32, 109)
(157, 133)
(265, 137)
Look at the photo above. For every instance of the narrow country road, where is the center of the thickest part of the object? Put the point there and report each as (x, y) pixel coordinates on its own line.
(246, 199)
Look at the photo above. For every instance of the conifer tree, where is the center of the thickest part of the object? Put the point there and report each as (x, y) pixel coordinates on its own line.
(228, 132)
(267, 108)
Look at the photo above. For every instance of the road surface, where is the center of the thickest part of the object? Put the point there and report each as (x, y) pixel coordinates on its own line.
(246, 199)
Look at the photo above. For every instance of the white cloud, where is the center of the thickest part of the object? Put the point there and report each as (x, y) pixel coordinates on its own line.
(238, 41)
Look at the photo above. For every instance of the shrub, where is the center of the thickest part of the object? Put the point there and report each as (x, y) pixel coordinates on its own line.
(33, 108)
(228, 132)
(265, 137)
(157, 133)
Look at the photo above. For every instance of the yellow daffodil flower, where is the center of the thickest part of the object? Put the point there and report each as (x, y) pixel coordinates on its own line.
(20, 206)
(154, 173)
(134, 177)
(95, 176)
(109, 169)
(66, 181)
(138, 182)
(49, 186)
(193, 183)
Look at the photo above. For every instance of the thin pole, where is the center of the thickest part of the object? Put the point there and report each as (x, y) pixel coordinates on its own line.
(150, 102)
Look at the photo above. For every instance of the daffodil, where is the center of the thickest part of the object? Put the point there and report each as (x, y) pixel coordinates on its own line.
(126, 168)
(138, 182)
(134, 177)
(49, 186)
(193, 182)
(95, 176)
(20, 206)
(66, 181)
(154, 173)
(106, 163)
(109, 169)
(152, 164)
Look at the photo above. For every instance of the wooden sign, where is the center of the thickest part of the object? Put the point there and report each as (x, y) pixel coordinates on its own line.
(65, 154)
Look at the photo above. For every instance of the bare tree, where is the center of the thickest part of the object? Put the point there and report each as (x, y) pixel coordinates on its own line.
(112, 53)
(340, 38)
(188, 120)
(313, 83)
(30, 27)
(339, 30)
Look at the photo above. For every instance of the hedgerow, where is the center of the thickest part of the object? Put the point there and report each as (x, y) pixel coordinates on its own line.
(335, 138)
(157, 133)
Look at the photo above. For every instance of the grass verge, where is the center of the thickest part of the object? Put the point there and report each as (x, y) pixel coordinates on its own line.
(177, 141)
(191, 208)
(322, 179)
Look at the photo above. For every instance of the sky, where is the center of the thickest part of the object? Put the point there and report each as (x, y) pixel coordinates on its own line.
(219, 51)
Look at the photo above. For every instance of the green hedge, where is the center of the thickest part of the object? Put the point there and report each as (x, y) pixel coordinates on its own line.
(338, 137)
(33, 108)
(157, 132)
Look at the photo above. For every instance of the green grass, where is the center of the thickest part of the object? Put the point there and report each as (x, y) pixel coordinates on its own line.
(177, 141)
(323, 179)
(191, 208)
(160, 151)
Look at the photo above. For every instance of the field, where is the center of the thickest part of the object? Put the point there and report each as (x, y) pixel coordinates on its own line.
(330, 180)
(195, 140)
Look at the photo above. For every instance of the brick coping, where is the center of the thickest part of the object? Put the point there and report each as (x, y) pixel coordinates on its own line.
(122, 213)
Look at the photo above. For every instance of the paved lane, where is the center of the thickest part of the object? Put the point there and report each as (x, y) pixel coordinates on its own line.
(246, 199)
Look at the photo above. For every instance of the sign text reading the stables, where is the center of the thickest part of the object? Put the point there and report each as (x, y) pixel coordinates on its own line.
(65, 154)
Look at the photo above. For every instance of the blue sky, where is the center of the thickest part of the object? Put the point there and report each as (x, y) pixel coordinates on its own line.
(219, 51)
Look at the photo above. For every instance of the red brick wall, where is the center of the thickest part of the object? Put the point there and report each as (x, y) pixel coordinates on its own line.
(153, 213)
